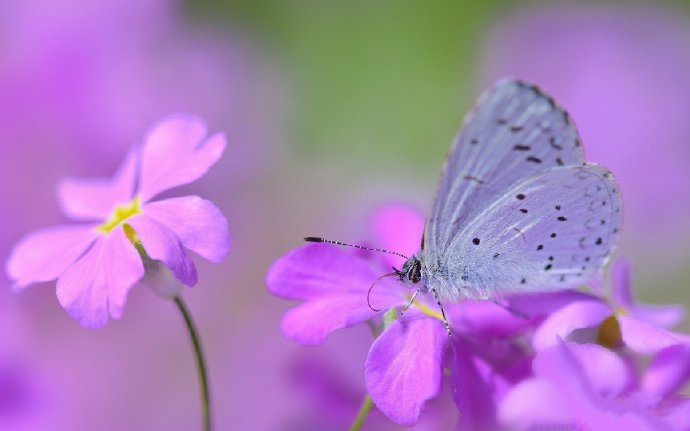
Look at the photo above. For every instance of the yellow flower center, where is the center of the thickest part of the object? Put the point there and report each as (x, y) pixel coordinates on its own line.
(119, 215)
(609, 334)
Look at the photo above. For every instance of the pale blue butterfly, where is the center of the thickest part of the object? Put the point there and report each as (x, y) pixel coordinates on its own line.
(518, 209)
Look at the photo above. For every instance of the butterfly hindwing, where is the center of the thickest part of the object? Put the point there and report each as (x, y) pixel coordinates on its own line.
(552, 230)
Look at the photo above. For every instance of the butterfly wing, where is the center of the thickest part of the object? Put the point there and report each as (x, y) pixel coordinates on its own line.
(514, 132)
(557, 236)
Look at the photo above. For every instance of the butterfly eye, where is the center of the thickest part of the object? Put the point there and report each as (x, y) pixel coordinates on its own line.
(414, 272)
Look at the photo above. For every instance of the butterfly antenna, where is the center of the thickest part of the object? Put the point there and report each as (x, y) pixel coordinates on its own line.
(374, 284)
(318, 239)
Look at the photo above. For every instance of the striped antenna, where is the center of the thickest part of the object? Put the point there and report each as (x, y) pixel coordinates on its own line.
(318, 239)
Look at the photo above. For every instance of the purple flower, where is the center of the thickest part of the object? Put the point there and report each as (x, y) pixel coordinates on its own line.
(404, 366)
(588, 387)
(642, 328)
(96, 262)
(622, 72)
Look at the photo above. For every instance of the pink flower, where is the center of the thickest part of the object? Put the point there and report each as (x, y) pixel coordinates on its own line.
(96, 262)
(71, 71)
(642, 328)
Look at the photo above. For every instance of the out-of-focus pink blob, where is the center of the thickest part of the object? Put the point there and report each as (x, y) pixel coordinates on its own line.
(27, 394)
(623, 73)
(80, 80)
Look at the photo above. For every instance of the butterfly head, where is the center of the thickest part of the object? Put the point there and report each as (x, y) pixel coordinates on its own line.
(411, 272)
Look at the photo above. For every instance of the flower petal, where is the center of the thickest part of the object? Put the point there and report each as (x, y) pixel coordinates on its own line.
(545, 303)
(405, 367)
(311, 322)
(196, 222)
(98, 283)
(622, 285)
(560, 365)
(516, 312)
(162, 244)
(476, 387)
(606, 373)
(398, 228)
(668, 371)
(43, 255)
(657, 315)
(523, 407)
(578, 314)
(323, 269)
(565, 370)
(95, 199)
(679, 417)
(642, 337)
(665, 316)
(175, 153)
(485, 318)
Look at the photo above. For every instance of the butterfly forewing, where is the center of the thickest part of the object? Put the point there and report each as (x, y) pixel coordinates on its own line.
(557, 236)
(514, 132)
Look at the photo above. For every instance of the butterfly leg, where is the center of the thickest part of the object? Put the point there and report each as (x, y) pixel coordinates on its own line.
(443, 313)
(409, 304)
(510, 309)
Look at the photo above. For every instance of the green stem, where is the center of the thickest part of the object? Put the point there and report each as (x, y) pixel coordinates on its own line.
(364, 410)
(200, 364)
(367, 403)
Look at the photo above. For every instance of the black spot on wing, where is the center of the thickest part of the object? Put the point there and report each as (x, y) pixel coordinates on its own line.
(552, 142)
(473, 178)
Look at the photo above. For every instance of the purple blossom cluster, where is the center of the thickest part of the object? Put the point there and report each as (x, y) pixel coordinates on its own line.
(579, 360)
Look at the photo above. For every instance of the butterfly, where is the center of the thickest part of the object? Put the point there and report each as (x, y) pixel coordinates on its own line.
(517, 208)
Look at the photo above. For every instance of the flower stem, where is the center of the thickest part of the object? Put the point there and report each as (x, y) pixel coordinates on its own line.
(364, 410)
(389, 317)
(200, 364)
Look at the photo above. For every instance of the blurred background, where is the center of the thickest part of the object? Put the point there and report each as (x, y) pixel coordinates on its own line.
(332, 108)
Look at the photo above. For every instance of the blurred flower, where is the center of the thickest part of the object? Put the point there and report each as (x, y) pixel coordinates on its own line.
(585, 385)
(622, 72)
(660, 386)
(27, 393)
(80, 79)
(642, 328)
(22, 406)
(96, 263)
